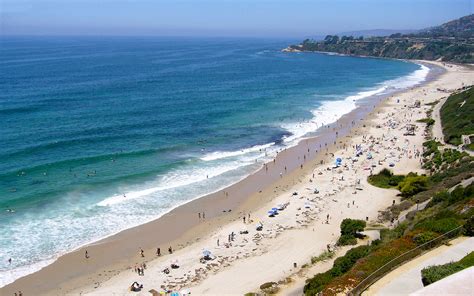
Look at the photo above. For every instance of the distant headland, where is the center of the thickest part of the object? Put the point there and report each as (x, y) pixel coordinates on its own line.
(449, 42)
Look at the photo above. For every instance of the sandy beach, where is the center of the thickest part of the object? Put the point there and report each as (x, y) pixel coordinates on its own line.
(312, 194)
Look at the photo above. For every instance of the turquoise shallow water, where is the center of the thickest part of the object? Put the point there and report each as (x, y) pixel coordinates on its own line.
(101, 134)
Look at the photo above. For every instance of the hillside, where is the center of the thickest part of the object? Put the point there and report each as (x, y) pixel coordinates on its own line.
(452, 41)
(457, 117)
(461, 28)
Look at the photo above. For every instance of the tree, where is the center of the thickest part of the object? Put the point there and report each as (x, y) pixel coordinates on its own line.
(352, 227)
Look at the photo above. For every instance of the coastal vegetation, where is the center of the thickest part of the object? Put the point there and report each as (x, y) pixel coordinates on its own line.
(350, 231)
(322, 257)
(457, 117)
(429, 121)
(385, 179)
(340, 266)
(435, 273)
(448, 212)
(434, 158)
(412, 184)
(452, 41)
(408, 185)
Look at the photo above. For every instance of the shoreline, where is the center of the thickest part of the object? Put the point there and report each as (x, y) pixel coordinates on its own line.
(184, 235)
(286, 239)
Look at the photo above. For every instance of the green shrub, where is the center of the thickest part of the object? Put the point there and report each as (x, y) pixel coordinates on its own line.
(432, 274)
(468, 260)
(469, 227)
(464, 167)
(435, 273)
(385, 179)
(412, 184)
(439, 225)
(441, 196)
(424, 237)
(469, 190)
(352, 226)
(428, 121)
(451, 155)
(350, 229)
(431, 147)
(341, 265)
(344, 263)
(391, 234)
(317, 283)
(324, 256)
(346, 240)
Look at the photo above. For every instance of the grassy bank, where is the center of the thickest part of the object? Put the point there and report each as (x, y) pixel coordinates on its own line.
(457, 117)
(435, 273)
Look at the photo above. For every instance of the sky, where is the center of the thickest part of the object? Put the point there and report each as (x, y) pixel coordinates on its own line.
(253, 18)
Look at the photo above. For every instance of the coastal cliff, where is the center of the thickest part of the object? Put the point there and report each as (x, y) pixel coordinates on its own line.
(450, 42)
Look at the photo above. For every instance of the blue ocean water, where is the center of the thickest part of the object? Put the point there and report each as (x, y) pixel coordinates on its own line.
(101, 134)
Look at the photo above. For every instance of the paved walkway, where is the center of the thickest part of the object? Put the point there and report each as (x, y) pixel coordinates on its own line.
(407, 278)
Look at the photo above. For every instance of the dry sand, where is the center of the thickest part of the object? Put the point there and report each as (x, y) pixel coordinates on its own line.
(295, 235)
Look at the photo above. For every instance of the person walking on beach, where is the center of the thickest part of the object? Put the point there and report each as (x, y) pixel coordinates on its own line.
(199, 215)
(142, 253)
(170, 250)
(158, 252)
(86, 255)
(244, 219)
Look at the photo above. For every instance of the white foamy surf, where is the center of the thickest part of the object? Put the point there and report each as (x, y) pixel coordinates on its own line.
(180, 178)
(216, 170)
(225, 154)
(331, 111)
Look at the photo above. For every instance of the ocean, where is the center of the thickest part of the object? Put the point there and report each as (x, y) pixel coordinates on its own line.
(99, 134)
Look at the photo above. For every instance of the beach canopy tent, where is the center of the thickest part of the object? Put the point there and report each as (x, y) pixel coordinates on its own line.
(273, 212)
